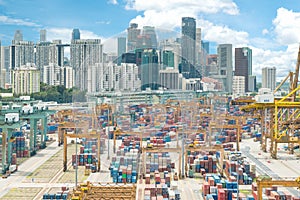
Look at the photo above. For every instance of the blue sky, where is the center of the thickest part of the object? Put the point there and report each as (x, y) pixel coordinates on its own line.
(270, 27)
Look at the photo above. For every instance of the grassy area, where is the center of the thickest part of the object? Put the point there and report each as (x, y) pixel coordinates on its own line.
(246, 192)
(21, 193)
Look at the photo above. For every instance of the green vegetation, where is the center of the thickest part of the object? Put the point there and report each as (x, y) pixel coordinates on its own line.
(2, 90)
(60, 94)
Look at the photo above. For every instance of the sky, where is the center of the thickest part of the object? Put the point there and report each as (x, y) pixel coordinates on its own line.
(271, 28)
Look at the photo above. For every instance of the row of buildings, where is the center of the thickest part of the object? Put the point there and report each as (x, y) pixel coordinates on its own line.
(142, 61)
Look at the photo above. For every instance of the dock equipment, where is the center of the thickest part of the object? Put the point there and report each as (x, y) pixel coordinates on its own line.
(91, 135)
(263, 182)
(105, 191)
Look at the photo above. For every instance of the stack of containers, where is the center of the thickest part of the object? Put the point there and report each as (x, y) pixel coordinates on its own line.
(19, 147)
(123, 167)
(86, 157)
(243, 173)
(215, 188)
(201, 163)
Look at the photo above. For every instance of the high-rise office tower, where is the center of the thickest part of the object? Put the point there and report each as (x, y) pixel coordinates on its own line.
(84, 54)
(169, 78)
(148, 38)
(43, 36)
(225, 65)
(18, 36)
(5, 63)
(269, 78)
(121, 48)
(132, 37)
(21, 53)
(167, 59)
(149, 69)
(198, 46)
(169, 46)
(243, 64)
(188, 46)
(75, 34)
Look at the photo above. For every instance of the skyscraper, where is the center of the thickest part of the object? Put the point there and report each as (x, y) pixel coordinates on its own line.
(43, 37)
(243, 64)
(188, 46)
(84, 54)
(132, 36)
(5, 63)
(121, 48)
(198, 46)
(225, 65)
(75, 34)
(148, 38)
(21, 53)
(149, 69)
(269, 78)
(18, 36)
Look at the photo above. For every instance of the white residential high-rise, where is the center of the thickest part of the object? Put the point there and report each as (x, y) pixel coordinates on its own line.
(225, 67)
(85, 53)
(43, 37)
(51, 74)
(238, 85)
(21, 53)
(5, 63)
(26, 79)
(129, 80)
(67, 76)
(269, 78)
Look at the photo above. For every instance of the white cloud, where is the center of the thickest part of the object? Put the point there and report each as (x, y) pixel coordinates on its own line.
(20, 22)
(287, 26)
(265, 31)
(223, 34)
(194, 6)
(284, 60)
(115, 2)
(168, 13)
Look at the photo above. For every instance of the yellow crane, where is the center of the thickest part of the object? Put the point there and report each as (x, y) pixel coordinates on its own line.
(265, 182)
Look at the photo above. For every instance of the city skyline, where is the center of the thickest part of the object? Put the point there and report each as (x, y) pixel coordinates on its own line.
(271, 33)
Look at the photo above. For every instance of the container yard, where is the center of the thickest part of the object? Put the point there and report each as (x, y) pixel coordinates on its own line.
(172, 150)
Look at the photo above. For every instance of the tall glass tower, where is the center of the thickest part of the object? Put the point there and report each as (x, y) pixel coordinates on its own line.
(188, 45)
(75, 34)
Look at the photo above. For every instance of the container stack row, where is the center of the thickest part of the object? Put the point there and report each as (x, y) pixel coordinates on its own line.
(160, 162)
(273, 194)
(124, 166)
(244, 172)
(214, 188)
(201, 164)
(160, 192)
(19, 147)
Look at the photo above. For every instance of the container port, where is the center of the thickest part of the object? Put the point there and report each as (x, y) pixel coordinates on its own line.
(180, 149)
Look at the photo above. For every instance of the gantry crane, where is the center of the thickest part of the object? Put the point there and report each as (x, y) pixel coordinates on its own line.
(268, 182)
(70, 125)
(83, 135)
